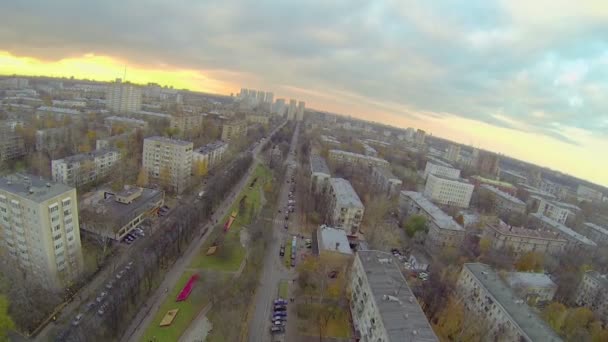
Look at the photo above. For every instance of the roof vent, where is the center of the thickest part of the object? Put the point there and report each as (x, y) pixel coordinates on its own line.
(30, 190)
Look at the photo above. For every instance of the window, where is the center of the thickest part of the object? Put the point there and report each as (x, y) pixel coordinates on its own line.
(54, 208)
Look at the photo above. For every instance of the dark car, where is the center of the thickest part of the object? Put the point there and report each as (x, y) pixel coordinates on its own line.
(277, 330)
(280, 313)
(286, 227)
(282, 251)
(280, 308)
(280, 301)
(286, 217)
(293, 262)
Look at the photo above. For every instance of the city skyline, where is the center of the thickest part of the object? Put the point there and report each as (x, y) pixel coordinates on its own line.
(507, 77)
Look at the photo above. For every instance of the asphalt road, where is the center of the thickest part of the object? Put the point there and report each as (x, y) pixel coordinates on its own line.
(274, 269)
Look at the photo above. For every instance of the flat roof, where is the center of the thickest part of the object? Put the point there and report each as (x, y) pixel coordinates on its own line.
(125, 119)
(525, 232)
(453, 179)
(597, 228)
(158, 115)
(385, 172)
(59, 110)
(41, 189)
(563, 229)
(529, 279)
(439, 162)
(527, 320)
(86, 156)
(318, 164)
(169, 140)
(211, 147)
(493, 182)
(401, 314)
(345, 194)
(503, 194)
(443, 220)
(357, 155)
(333, 239)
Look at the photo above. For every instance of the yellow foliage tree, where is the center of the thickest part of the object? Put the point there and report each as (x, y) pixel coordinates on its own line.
(529, 262)
(484, 245)
(142, 178)
(165, 176)
(200, 168)
(577, 318)
(554, 314)
(85, 147)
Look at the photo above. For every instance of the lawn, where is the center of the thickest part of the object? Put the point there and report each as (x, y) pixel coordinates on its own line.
(284, 289)
(338, 326)
(188, 310)
(287, 255)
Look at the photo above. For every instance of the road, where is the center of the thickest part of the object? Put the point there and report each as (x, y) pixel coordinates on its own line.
(147, 312)
(274, 269)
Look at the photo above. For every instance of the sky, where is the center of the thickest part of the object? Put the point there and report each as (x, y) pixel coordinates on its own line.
(524, 78)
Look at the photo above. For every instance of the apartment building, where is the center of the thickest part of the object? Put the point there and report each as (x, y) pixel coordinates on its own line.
(369, 151)
(349, 158)
(168, 162)
(519, 240)
(443, 231)
(419, 137)
(319, 174)
(345, 207)
(123, 97)
(84, 168)
(12, 144)
(50, 139)
(555, 210)
(592, 292)
(385, 182)
(448, 191)
(512, 177)
(575, 240)
(300, 111)
(585, 193)
(440, 168)
(114, 141)
(186, 122)
(40, 229)
(493, 303)
(233, 130)
(595, 233)
(534, 288)
(209, 154)
(453, 153)
(58, 113)
(120, 121)
(382, 305)
(504, 203)
(259, 119)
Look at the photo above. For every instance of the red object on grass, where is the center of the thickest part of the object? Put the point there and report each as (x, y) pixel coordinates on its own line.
(185, 292)
(228, 224)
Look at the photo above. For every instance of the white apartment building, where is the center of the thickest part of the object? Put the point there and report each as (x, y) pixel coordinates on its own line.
(382, 304)
(519, 240)
(448, 191)
(168, 162)
(490, 300)
(585, 193)
(385, 182)
(575, 240)
(319, 174)
(114, 121)
(440, 168)
(58, 113)
(443, 231)
(555, 210)
(504, 203)
(339, 156)
(210, 154)
(592, 292)
(40, 229)
(84, 168)
(595, 233)
(345, 207)
(123, 97)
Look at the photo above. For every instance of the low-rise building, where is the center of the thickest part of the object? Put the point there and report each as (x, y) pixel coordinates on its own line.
(120, 121)
(385, 182)
(50, 139)
(512, 177)
(58, 113)
(70, 103)
(84, 168)
(595, 233)
(259, 119)
(575, 240)
(233, 130)
(504, 203)
(114, 141)
(585, 193)
(168, 162)
(555, 210)
(332, 243)
(534, 288)
(448, 191)
(345, 207)
(382, 305)
(519, 240)
(319, 174)
(592, 292)
(328, 139)
(349, 158)
(209, 154)
(186, 122)
(369, 151)
(440, 168)
(501, 317)
(114, 215)
(443, 231)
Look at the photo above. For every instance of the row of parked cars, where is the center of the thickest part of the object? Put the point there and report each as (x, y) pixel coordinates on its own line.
(133, 235)
(279, 316)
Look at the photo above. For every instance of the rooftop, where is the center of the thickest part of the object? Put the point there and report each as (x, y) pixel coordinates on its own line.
(32, 187)
(597, 228)
(386, 173)
(168, 140)
(125, 119)
(536, 191)
(443, 220)
(503, 194)
(210, 147)
(345, 194)
(563, 229)
(454, 179)
(601, 278)
(493, 182)
(60, 110)
(158, 115)
(439, 162)
(525, 232)
(87, 156)
(357, 155)
(333, 239)
(401, 314)
(528, 279)
(534, 327)
(318, 164)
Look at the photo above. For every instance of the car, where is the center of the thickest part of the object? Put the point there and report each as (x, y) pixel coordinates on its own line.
(280, 313)
(278, 323)
(280, 301)
(333, 274)
(279, 211)
(282, 251)
(110, 284)
(293, 262)
(102, 309)
(277, 330)
(90, 305)
(77, 319)
(128, 242)
(286, 217)
(286, 227)
(280, 308)
(120, 274)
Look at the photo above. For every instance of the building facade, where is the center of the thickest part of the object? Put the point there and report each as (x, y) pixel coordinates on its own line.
(12, 144)
(448, 191)
(382, 305)
(186, 122)
(233, 130)
(123, 97)
(292, 110)
(595, 233)
(519, 240)
(168, 162)
(319, 174)
(84, 168)
(41, 229)
(504, 203)
(210, 155)
(120, 121)
(575, 240)
(349, 158)
(385, 182)
(453, 153)
(345, 208)
(439, 168)
(592, 293)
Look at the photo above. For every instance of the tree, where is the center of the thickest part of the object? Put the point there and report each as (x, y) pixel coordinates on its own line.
(142, 178)
(576, 320)
(530, 262)
(165, 176)
(484, 245)
(554, 314)
(200, 168)
(486, 202)
(6, 322)
(415, 223)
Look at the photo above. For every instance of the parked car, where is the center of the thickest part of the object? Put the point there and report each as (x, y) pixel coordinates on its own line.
(277, 330)
(286, 226)
(280, 308)
(293, 262)
(90, 305)
(280, 301)
(278, 318)
(109, 284)
(102, 309)
(77, 319)
(278, 323)
(282, 251)
(280, 313)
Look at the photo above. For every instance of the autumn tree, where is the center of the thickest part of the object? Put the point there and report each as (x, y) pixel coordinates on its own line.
(142, 178)
(165, 176)
(530, 262)
(554, 315)
(414, 224)
(577, 320)
(6, 323)
(200, 168)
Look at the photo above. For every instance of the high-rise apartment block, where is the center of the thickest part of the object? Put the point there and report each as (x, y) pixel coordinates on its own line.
(40, 229)
(123, 97)
(419, 137)
(279, 107)
(300, 111)
(292, 110)
(84, 168)
(168, 162)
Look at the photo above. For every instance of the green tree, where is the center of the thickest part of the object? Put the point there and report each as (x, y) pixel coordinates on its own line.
(530, 262)
(577, 319)
(142, 178)
(6, 322)
(415, 223)
(554, 314)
